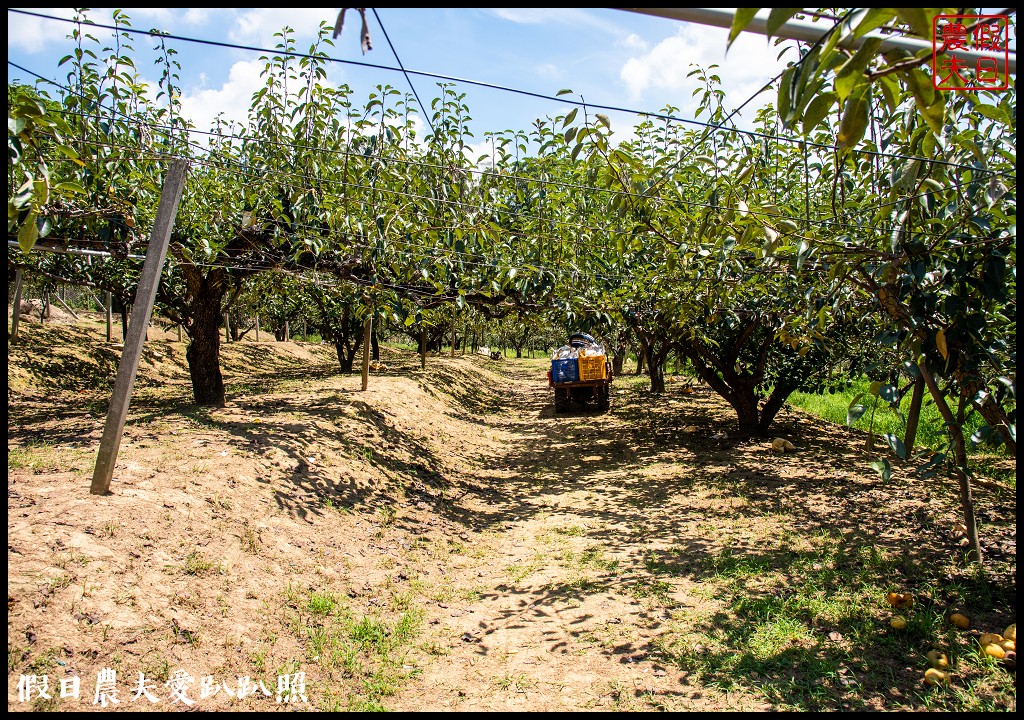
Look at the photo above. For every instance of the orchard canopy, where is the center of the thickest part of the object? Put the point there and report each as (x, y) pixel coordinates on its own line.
(867, 225)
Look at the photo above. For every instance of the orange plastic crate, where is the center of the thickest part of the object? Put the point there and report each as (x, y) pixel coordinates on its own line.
(592, 367)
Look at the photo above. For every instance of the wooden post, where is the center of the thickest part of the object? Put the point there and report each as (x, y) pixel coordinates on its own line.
(46, 307)
(287, 333)
(179, 333)
(227, 328)
(257, 328)
(16, 315)
(67, 307)
(367, 329)
(453, 336)
(94, 298)
(145, 295)
(110, 322)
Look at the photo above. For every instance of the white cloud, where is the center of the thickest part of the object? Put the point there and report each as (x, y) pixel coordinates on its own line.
(633, 41)
(198, 16)
(201, 105)
(570, 17)
(32, 34)
(660, 75)
(259, 25)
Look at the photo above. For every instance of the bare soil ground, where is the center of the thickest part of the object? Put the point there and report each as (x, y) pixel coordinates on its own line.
(443, 541)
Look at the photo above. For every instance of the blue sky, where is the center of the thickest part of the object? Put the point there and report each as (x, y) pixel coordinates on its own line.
(609, 57)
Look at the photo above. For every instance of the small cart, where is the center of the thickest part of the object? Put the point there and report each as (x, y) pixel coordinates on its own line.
(584, 379)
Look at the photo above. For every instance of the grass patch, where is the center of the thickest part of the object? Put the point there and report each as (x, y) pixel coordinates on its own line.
(362, 656)
(808, 631)
(197, 565)
(834, 407)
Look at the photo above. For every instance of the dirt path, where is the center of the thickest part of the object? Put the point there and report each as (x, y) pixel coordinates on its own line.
(553, 606)
(443, 541)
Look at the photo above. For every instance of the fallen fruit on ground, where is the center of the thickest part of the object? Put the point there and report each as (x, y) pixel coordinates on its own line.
(937, 659)
(1010, 633)
(960, 620)
(892, 598)
(1008, 645)
(899, 622)
(936, 677)
(989, 638)
(996, 651)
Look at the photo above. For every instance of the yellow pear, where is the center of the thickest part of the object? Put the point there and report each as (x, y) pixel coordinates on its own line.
(937, 659)
(996, 651)
(960, 620)
(989, 638)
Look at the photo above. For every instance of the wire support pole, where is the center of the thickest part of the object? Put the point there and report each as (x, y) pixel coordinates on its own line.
(809, 32)
(145, 297)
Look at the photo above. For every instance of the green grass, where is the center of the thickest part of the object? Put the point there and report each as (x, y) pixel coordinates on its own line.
(808, 631)
(361, 655)
(834, 407)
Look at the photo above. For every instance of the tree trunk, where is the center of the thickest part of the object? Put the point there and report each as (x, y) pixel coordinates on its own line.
(423, 349)
(914, 414)
(654, 358)
(748, 415)
(203, 353)
(375, 344)
(345, 358)
(959, 463)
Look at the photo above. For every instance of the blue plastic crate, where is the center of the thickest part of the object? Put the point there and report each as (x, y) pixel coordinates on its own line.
(566, 370)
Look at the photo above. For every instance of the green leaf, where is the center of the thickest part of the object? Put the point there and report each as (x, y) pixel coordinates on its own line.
(855, 410)
(740, 20)
(860, 60)
(935, 114)
(897, 445)
(917, 19)
(979, 436)
(873, 18)
(570, 116)
(563, 92)
(603, 119)
(848, 84)
(854, 122)
(884, 469)
(890, 91)
(889, 393)
(778, 17)
(992, 113)
(28, 233)
(875, 387)
(786, 95)
(817, 110)
(802, 252)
